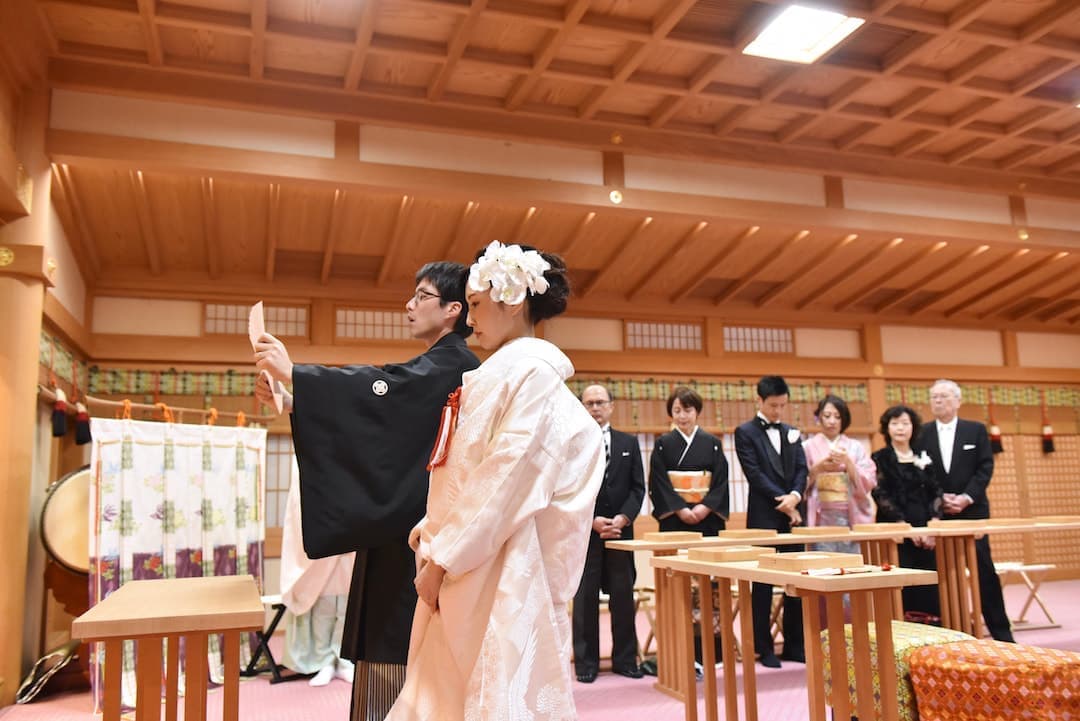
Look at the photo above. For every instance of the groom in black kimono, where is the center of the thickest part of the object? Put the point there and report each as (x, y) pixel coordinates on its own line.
(363, 436)
(772, 459)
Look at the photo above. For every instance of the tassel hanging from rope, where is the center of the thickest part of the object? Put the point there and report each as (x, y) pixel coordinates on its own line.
(1047, 429)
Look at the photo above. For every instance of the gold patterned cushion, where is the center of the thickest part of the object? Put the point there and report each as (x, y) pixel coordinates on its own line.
(906, 638)
(994, 681)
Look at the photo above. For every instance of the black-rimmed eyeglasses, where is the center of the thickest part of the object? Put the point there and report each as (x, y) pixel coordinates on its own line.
(421, 295)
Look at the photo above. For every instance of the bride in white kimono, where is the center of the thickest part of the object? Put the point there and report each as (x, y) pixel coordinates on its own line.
(514, 478)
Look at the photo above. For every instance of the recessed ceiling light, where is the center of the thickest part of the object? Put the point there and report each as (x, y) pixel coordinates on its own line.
(802, 35)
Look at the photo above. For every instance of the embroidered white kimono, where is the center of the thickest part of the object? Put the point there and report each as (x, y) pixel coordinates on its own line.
(508, 517)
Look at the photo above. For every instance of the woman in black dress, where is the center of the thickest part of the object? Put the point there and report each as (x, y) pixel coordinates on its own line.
(907, 490)
(688, 474)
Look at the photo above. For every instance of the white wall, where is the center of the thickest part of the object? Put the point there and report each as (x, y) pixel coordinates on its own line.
(145, 316)
(928, 346)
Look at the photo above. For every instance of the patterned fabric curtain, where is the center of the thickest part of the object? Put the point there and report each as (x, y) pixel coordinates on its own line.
(173, 501)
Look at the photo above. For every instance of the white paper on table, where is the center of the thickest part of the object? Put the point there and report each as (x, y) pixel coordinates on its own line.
(256, 327)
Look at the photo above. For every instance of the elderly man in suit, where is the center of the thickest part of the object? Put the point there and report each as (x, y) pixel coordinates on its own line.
(964, 462)
(617, 505)
(772, 459)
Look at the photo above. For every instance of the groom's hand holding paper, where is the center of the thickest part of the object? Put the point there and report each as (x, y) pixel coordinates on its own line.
(271, 358)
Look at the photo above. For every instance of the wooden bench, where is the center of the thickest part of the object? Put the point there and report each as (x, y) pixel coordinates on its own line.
(157, 611)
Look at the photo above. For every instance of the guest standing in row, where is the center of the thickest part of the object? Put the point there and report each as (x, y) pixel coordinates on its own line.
(907, 490)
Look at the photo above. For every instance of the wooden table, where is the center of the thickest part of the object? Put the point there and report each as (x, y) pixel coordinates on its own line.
(872, 597)
(958, 575)
(150, 612)
(875, 546)
(958, 572)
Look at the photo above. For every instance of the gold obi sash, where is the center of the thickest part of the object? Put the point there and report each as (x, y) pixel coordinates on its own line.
(691, 485)
(833, 488)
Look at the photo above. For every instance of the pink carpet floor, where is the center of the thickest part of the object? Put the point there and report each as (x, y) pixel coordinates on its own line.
(781, 693)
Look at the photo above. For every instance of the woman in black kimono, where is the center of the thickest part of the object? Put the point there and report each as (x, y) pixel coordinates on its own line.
(688, 475)
(907, 490)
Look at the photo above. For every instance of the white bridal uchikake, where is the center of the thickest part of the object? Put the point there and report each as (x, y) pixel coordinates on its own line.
(511, 272)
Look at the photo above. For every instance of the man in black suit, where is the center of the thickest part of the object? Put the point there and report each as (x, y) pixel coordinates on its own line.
(772, 459)
(964, 462)
(617, 505)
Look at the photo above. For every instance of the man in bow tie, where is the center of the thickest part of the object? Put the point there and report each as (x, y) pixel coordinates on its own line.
(617, 505)
(771, 455)
(964, 462)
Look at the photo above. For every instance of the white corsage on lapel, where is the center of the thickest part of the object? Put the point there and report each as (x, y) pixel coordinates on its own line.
(922, 461)
(794, 435)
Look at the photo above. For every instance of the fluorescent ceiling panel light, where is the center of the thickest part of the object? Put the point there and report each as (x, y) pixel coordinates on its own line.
(802, 35)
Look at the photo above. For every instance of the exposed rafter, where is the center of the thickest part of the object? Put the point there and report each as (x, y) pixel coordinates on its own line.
(670, 259)
(965, 282)
(873, 252)
(877, 281)
(337, 210)
(806, 269)
(145, 216)
(210, 228)
(714, 263)
(611, 266)
(394, 246)
(751, 275)
(273, 227)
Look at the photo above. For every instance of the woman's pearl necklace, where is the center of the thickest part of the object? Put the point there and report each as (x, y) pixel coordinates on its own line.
(905, 455)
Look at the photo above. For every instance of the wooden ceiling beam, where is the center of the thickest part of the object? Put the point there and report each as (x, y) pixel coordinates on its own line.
(393, 248)
(579, 234)
(257, 53)
(273, 227)
(878, 281)
(919, 284)
(837, 100)
(151, 36)
(73, 219)
(1012, 300)
(673, 254)
(967, 150)
(965, 282)
(145, 217)
(554, 42)
(1047, 308)
(874, 252)
(612, 266)
(1015, 159)
(209, 211)
(698, 82)
(464, 221)
(751, 275)
(337, 210)
(674, 12)
(715, 262)
(93, 150)
(522, 225)
(1054, 18)
(1036, 267)
(806, 269)
(1062, 309)
(455, 49)
(1064, 164)
(365, 30)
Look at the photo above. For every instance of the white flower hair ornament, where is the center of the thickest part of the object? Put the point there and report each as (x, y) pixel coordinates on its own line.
(510, 272)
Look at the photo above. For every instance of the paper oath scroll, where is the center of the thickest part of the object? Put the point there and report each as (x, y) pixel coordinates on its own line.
(256, 328)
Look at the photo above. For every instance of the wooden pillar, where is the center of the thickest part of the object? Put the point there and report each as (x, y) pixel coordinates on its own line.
(22, 293)
(875, 383)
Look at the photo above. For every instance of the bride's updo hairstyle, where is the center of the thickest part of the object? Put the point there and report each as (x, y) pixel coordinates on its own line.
(542, 302)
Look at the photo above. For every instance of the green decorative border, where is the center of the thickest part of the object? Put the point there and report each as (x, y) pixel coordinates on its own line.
(651, 389)
(1056, 396)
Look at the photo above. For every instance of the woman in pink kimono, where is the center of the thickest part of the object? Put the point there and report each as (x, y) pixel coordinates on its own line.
(514, 477)
(841, 475)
